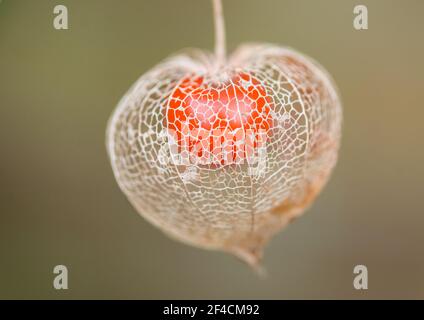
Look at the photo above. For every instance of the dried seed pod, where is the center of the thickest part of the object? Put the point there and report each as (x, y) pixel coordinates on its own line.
(223, 155)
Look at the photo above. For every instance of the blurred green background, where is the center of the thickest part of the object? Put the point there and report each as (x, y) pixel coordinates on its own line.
(60, 203)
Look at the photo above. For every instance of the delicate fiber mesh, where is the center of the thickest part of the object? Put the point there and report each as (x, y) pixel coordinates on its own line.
(264, 92)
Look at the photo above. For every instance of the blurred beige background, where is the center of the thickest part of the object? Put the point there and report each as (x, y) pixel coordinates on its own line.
(60, 203)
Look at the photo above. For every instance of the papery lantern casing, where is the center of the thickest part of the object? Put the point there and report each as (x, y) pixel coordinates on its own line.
(229, 207)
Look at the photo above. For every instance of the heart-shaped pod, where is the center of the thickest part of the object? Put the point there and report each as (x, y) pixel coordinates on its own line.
(170, 118)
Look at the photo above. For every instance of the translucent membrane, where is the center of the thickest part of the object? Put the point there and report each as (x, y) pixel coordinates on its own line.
(224, 158)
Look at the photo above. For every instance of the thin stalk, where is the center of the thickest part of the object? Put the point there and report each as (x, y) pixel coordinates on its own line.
(220, 51)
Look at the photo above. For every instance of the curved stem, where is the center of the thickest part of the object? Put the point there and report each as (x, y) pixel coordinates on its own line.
(219, 32)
